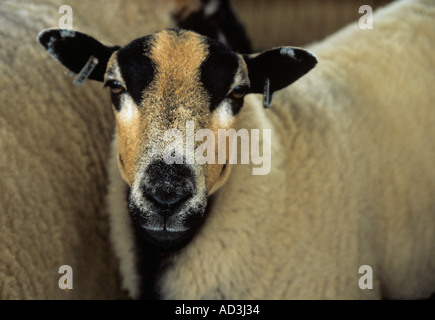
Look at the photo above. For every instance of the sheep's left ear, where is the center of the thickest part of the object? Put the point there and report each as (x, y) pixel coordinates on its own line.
(74, 49)
(274, 69)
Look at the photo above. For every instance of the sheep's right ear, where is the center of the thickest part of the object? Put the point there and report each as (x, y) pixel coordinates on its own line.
(73, 49)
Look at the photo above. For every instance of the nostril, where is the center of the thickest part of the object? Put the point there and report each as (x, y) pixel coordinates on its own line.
(171, 199)
(167, 199)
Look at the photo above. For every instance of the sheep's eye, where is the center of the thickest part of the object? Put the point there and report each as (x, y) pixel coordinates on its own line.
(238, 92)
(115, 86)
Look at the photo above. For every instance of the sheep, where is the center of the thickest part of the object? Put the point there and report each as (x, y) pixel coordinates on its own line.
(55, 140)
(352, 178)
(53, 189)
(181, 188)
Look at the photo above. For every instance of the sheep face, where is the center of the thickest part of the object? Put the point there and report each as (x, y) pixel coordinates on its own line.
(165, 87)
(171, 82)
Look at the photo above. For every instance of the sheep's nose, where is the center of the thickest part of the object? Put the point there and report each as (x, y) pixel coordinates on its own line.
(168, 186)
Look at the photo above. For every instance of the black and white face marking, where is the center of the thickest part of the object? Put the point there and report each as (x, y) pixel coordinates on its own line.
(225, 77)
(133, 70)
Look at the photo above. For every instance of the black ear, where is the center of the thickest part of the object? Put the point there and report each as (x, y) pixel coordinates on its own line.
(73, 49)
(282, 66)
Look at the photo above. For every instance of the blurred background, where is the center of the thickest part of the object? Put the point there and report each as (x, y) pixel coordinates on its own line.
(296, 22)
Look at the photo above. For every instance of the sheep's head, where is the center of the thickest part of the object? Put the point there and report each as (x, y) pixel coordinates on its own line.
(164, 88)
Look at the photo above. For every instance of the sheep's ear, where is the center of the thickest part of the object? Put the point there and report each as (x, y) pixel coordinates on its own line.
(73, 49)
(277, 68)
